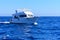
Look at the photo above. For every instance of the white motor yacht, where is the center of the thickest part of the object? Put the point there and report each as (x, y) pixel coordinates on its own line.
(23, 17)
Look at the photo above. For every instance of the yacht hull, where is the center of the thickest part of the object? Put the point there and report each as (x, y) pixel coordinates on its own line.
(24, 20)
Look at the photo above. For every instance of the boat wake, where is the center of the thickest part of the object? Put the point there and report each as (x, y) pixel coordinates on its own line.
(35, 23)
(4, 22)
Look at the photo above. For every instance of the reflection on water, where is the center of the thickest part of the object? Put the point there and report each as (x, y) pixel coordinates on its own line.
(17, 31)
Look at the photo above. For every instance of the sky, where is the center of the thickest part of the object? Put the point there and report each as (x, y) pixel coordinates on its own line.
(38, 7)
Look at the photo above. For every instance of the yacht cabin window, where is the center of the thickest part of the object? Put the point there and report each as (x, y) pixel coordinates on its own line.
(16, 17)
(30, 15)
(22, 15)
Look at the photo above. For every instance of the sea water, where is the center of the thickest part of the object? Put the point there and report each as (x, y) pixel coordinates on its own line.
(48, 28)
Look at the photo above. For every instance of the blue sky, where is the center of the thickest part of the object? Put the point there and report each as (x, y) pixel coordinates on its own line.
(38, 7)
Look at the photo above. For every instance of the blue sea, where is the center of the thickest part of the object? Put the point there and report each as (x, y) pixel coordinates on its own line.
(48, 28)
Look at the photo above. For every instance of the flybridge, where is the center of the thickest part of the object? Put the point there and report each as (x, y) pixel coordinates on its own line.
(23, 13)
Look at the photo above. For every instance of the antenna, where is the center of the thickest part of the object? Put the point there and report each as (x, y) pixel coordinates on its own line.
(16, 11)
